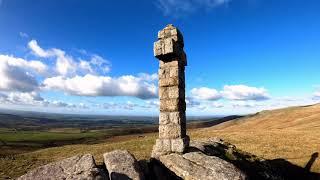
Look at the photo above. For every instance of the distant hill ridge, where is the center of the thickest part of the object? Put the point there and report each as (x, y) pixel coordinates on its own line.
(291, 118)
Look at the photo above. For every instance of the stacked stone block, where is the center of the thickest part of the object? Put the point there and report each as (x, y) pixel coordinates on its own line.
(172, 118)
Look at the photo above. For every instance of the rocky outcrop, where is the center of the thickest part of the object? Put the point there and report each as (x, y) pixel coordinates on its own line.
(196, 165)
(204, 159)
(254, 167)
(76, 167)
(122, 165)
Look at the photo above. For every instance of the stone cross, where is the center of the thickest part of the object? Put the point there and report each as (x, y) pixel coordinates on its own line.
(172, 119)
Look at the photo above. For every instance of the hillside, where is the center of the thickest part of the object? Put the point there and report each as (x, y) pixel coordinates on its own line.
(287, 137)
(304, 118)
(291, 134)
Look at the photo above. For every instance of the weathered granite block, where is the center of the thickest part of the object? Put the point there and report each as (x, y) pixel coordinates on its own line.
(169, 82)
(163, 145)
(163, 92)
(171, 32)
(167, 48)
(122, 165)
(177, 117)
(163, 73)
(173, 63)
(176, 92)
(170, 71)
(170, 105)
(196, 165)
(76, 167)
(164, 118)
(172, 117)
(171, 92)
(179, 144)
(170, 131)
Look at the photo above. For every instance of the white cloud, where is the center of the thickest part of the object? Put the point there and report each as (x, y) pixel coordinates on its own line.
(36, 66)
(190, 102)
(34, 99)
(243, 92)
(316, 95)
(27, 98)
(23, 35)
(247, 104)
(154, 103)
(18, 74)
(99, 62)
(37, 50)
(66, 65)
(178, 8)
(127, 106)
(204, 93)
(149, 77)
(215, 105)
(92, 85)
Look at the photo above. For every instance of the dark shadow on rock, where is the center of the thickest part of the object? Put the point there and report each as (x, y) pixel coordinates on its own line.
(291, 171)
(119, 176)
(104, 171)
(257, 168)
(159, 172)
(313, 158)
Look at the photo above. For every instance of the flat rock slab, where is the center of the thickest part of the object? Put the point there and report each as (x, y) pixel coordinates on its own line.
(76, 167)
(196, 165)
(122, 165)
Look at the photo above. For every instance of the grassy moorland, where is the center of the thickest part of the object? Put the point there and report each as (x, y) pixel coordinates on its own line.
(292, 134)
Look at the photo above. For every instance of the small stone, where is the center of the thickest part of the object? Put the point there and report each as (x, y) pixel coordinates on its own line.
(122, 165)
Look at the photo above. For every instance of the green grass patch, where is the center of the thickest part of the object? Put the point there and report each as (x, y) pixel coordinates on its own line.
(44, 136)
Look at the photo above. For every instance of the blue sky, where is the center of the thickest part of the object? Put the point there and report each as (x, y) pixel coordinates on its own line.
(96, 57)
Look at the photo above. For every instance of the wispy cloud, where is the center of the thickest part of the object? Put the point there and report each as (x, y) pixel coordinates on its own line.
(179, 8)
(21, 34)
(243, 92)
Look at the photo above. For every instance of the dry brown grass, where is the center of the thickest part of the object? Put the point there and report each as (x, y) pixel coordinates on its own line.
(291, 133)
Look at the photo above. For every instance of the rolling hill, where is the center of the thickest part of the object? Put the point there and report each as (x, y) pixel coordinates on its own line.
(292, 134)
(303, 118)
